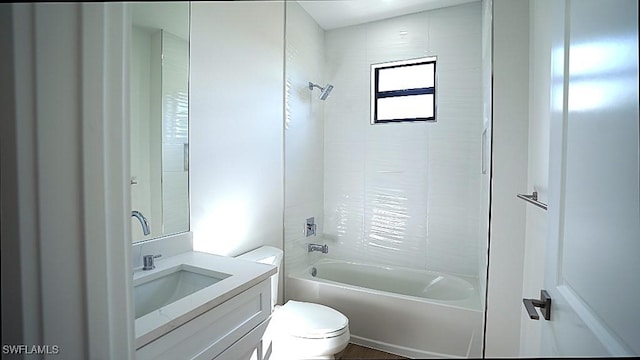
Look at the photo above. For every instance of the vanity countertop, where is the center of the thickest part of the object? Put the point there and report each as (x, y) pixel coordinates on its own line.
(244, 275)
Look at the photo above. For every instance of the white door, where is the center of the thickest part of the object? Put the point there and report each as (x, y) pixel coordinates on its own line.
(593, 259)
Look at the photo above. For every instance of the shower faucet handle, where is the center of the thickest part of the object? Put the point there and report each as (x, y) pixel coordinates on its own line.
(310, 227)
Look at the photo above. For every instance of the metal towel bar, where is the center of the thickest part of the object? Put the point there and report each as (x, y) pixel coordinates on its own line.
(533, 199)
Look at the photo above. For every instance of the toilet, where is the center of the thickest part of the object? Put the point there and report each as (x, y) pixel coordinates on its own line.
(300, 330)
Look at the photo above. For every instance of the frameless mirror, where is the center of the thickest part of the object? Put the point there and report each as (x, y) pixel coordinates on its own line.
(159, 73)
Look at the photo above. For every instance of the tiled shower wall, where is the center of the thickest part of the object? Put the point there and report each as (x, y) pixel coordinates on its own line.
(304, 132)
(406, 194)
(397, 194)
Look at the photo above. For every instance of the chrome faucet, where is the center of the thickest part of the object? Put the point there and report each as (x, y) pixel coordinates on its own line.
(148, 261)
(316, 247)
(143, 221)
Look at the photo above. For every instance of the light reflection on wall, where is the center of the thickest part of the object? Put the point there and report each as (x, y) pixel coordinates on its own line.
(227, 224)
(602, 72)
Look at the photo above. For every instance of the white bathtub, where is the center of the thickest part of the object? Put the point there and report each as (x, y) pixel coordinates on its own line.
(408, 312)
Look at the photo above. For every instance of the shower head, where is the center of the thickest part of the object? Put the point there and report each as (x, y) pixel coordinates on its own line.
(325, 91)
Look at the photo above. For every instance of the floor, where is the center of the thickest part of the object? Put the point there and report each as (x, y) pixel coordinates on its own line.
(353, 352)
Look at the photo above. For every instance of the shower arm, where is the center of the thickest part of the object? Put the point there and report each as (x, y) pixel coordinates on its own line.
(324, 91)
(312, 85)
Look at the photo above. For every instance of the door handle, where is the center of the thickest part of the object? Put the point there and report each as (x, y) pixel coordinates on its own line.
(544, 304)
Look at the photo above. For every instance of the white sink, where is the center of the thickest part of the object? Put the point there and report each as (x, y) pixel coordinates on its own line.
(162, 288)
(186, 286)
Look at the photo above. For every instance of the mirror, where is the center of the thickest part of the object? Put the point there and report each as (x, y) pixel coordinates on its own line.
(159, 106)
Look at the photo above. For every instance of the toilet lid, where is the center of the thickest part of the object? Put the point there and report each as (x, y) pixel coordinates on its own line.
(312, 321)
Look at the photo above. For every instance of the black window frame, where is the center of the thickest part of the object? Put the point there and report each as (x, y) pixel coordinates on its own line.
(376, 94)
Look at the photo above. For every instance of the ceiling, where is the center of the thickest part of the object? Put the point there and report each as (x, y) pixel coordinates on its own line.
(170, 16)
(332, 14)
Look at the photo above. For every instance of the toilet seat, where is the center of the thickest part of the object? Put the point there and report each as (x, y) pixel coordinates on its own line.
(312, 321)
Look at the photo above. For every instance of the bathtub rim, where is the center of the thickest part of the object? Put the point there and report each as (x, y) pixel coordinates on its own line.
(472, 303)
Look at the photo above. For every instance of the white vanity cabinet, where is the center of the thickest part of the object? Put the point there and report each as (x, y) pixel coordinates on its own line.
(224, 321)
(210, 334)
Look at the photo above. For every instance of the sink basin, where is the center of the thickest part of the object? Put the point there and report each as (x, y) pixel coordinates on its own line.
(160, 289)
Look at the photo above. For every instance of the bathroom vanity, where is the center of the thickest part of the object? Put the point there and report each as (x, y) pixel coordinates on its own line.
(201, 306)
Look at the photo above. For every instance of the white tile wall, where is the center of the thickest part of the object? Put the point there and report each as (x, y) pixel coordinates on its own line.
(304, 131)
(398, 194)
(406, 194)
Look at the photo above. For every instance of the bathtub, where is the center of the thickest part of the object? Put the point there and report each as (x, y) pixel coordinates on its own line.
(413, 313)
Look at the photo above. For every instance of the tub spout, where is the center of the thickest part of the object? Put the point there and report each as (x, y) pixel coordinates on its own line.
(316, 247)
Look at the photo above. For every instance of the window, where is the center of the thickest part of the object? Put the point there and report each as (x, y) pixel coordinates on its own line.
(403, 91)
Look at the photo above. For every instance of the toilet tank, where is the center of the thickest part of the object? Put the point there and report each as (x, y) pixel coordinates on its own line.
(271, 256)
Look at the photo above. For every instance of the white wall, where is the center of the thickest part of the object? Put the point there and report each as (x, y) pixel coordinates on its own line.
(236, 125)
(406, 194)
(538, 167)
(510, 126)
(304, 134)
